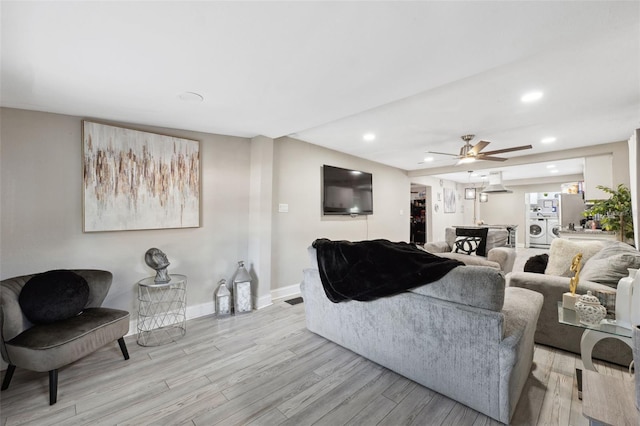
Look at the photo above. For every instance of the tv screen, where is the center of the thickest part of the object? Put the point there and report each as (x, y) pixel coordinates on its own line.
(347, 192)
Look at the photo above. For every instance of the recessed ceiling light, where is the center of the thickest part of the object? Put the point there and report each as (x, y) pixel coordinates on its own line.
(531, 97)
(553, 171)
(549, 139)
(191, 97)
(551, 166)
(428, 159)
(369, 137)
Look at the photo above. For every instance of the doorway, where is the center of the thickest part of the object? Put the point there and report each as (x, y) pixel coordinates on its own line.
(420, 218)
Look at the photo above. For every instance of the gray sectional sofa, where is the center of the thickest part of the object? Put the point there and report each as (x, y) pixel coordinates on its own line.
(465, 336)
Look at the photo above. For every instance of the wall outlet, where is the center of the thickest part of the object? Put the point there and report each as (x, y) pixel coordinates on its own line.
(283, 208)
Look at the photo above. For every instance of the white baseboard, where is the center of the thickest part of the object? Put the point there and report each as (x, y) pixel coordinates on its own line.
(200, 310)
(291, 290)
(262, 302)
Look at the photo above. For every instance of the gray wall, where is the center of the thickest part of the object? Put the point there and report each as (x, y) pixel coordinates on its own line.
(297, 182)
(41, 211)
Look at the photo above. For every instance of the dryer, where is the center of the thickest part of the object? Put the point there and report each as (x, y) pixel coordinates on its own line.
(538, 232)
(553, 229)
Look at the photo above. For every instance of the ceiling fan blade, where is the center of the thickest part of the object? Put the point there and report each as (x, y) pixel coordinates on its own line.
(487, 157)
(442, 153)
(515, 148)
(478, 147)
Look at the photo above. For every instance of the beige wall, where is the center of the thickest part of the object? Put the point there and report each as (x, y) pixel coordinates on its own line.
(297, 183)
(41, 212)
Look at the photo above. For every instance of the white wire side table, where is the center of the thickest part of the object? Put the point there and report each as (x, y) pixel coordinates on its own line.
(162, 310)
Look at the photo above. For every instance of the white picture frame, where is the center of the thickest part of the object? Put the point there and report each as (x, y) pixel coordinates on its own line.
(449, 196)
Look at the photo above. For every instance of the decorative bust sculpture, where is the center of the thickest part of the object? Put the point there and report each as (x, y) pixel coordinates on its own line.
(156, 259)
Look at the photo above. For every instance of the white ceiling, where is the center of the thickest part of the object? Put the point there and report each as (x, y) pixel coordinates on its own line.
(417, 74)
(531, 172)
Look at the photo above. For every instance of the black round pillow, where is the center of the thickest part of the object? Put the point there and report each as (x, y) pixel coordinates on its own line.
(53, 296)
(537, 264)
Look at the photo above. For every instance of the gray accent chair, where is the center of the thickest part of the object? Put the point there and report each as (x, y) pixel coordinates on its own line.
(48, 347)
(604, 263)
(498, 256)
(465, 336)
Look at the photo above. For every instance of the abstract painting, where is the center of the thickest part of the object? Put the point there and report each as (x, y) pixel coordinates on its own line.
(136, 180)
(449, 200)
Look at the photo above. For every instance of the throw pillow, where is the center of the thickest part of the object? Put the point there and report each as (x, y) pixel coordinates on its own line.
(475, 232)
(53, 296)
(562, 252)
(466, 245)
(537, 264)
(610, 264)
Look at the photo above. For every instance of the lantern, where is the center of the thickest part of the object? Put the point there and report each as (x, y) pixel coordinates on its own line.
(223, 299)
(242, 290)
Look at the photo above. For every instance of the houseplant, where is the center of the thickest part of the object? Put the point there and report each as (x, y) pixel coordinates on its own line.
(615, 211)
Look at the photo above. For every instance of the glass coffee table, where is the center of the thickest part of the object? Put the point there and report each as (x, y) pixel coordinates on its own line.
(593, 333)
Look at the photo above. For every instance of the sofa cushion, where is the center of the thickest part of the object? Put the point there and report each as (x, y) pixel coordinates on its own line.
(471, 260)
(610, 264)
(475, 232)
(537, 264)
(562, 251)
(466, 245)
(53, 296)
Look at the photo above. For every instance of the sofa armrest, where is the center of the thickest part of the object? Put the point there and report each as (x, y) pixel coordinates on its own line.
(504, 256)
(550, 286)
(478, 286)
(521, 312)
(437, 247)
(549, 331)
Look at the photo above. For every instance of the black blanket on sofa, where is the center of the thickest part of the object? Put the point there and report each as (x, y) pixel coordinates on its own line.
(367, 270)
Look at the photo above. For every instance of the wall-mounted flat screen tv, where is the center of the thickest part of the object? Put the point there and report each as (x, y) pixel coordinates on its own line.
(346, 192)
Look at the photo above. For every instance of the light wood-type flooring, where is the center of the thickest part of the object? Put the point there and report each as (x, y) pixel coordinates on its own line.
(265, 368)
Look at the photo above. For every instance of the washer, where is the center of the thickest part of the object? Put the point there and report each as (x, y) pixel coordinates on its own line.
(538, 232)
(553, 229)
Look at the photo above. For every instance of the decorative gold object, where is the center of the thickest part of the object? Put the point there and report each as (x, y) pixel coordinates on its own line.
(575, 267)
(570, 298)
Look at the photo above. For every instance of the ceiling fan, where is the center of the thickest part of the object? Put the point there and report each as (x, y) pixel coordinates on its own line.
(469, 153)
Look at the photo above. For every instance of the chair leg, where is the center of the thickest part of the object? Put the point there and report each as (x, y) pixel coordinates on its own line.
(53, 386)
(123, 348)
(7, 376)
